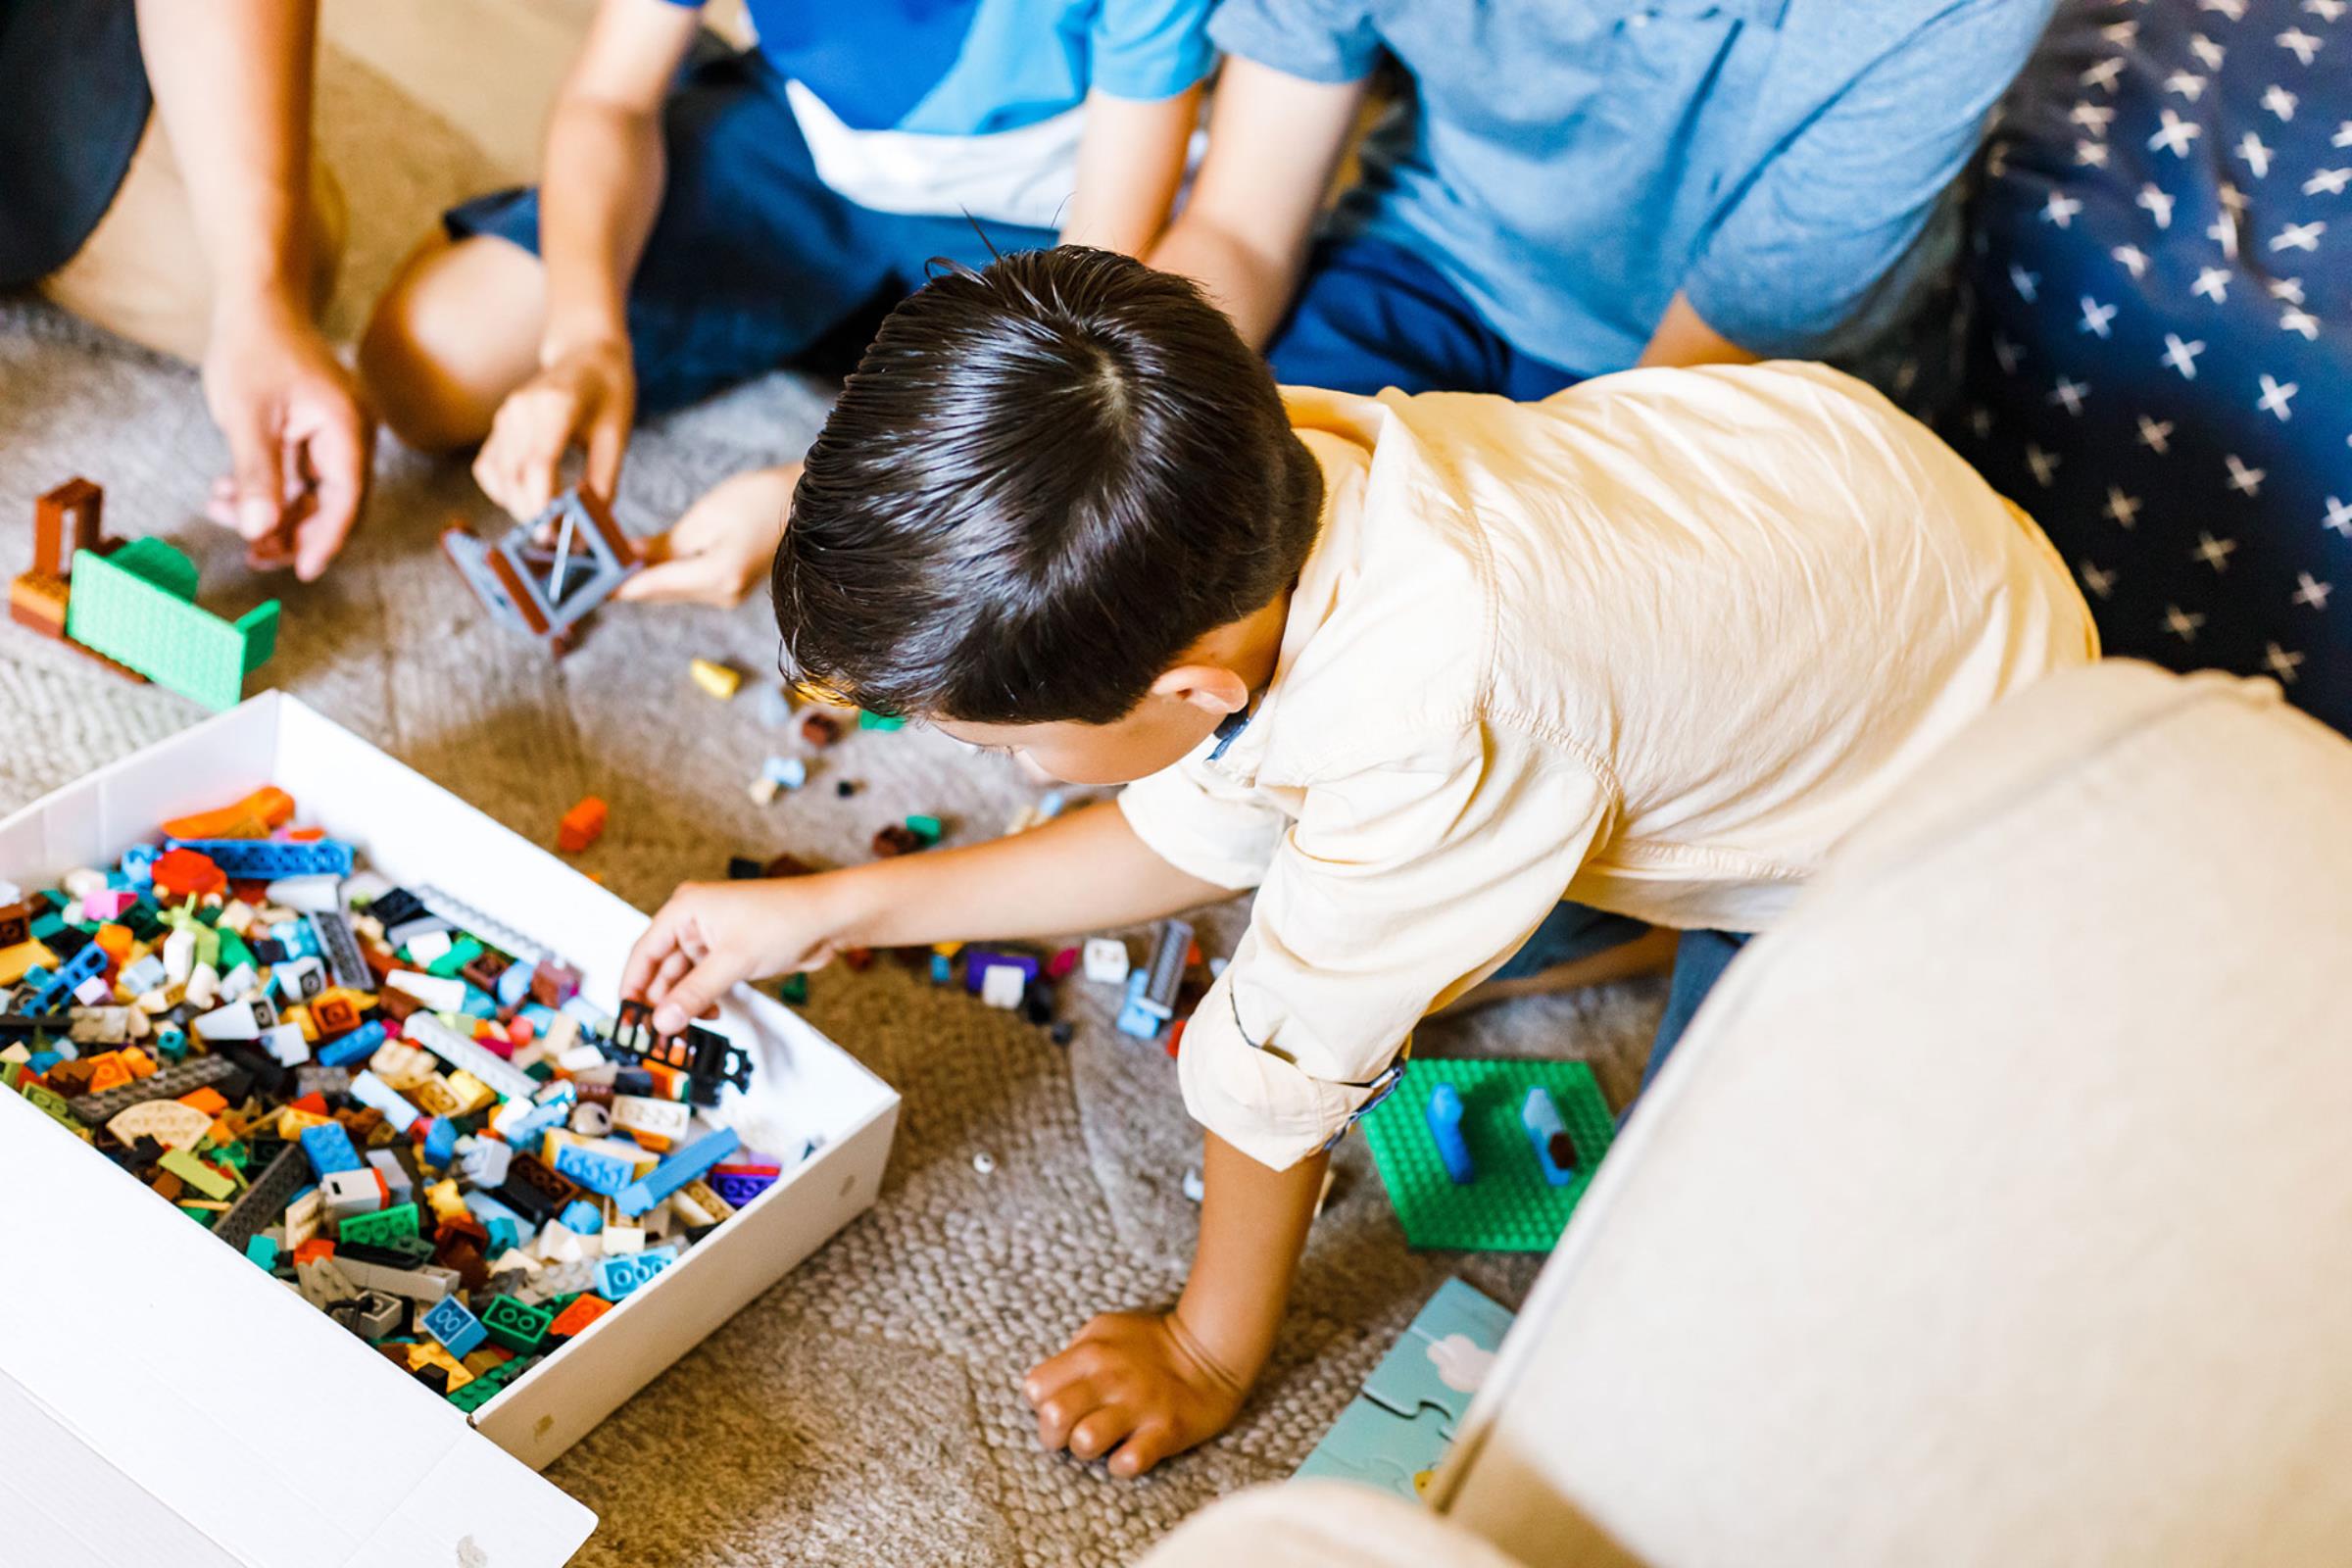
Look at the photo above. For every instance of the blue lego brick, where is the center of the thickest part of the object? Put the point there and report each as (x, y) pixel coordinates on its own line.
(328, 1148)
(138, 864)
(354, 1047)
(440, 1142)
(52, 992)
(977, 961)
(299, 938)
(460, 1332)
(686, 1166)
(599, 1172)
(267, 860)
(1137, 1018)
(1444, 1117)
(1555, 1150)
(506, 1227)
(515, 985)
(583, 1218)
(370, 1090)
(623, 1272)
(263, 1249)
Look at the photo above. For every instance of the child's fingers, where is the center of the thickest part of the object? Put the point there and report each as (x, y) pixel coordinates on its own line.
(657, 942)
(1099, 1432)
(693, 996)
(606, 443)
(686, 579)
(673, 968)
(1058, 1416)
(1149, 1442)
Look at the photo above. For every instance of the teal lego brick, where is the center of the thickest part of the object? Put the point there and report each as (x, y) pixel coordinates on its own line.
(137, 607)
(1507, 1207)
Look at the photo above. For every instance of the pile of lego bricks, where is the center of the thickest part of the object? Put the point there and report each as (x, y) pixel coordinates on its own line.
(410, 1116)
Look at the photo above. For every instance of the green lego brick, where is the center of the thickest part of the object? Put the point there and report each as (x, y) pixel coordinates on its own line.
(795, 988)
(1508, 1207)
(137, 607)
(395, 1224)
(867, 720)
(461, 952)
(514, 1324)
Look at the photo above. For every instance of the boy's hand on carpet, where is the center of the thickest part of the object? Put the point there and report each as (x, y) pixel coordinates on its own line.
(722, 546)
(1136, 1386)
(713, 935)
(586, 395)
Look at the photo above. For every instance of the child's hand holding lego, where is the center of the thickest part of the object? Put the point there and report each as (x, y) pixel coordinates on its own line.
(712, 935)
(724, 544)
(585, 394)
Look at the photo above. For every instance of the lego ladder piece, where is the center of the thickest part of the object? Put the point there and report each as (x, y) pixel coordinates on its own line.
(138, 606)
(39, 600)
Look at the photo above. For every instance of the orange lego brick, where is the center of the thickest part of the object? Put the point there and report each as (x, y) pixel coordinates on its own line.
(252, 818)
(582, 826)
(317, 1248)
(106, 1071)
(186, 874)
(114, 941)
(583, 1312)
(207, 1100)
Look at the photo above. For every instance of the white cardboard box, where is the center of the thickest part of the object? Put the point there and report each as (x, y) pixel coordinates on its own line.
(164, 1401)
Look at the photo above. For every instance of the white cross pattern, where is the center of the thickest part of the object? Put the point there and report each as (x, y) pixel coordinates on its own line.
(2215, 553)
(2175, 135)
(2008, 352)
(2183, 624)
(2096, 318)
(2061, 209)
(2100, 583)
(2343, 135)
(2090, 154)
(2235, 10)
(2156, 434)
(2300, 238)
(2209, 54)
(2213, 283)
(2068, 393)
(2103, 74)
(2302, 45)
(2295, 319)
(2135, 260)
(2279, 100)
(2257, 155)
(2231, 197)
(2309, 590)
(2289, 289)
(2093, 117)
(2325, 10)
(2187, 83)
(2158, 204)
(2274, 398)
(2119, 32)
(2223, 231)
(2245, 481)
(2183, 357)
(2339, 516)
(2328, 182)
(2123, 509)
(2028, 284)
(2043, 463)
(2281, 664)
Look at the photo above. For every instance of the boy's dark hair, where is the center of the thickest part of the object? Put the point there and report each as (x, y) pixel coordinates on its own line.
(1045, 481)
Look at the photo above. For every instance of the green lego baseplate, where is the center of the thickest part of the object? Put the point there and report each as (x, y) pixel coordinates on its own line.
(1508, 1207)
(137, 607)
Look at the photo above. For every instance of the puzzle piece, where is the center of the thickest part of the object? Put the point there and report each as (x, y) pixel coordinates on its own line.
(1374, 1446)
(1443, 1357)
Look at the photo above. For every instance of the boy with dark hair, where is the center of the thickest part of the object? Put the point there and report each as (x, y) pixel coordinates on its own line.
(1413, 667)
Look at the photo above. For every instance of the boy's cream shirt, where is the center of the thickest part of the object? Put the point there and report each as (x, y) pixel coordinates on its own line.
(1653, 644)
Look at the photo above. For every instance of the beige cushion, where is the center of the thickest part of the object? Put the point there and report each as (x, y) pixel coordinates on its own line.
(1998, 1206)
(1321, 1524)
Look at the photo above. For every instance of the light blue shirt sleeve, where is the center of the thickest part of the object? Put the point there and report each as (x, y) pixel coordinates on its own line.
(1150, 49)
(1839, 207)
(1316, 40)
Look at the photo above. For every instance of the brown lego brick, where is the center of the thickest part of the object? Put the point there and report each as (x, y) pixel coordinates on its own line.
(37, 600)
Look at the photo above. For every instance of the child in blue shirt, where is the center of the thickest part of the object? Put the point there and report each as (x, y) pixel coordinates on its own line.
(697, 226)
(1582, 186)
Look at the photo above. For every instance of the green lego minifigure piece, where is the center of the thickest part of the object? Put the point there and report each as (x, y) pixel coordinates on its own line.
(1508, 1206)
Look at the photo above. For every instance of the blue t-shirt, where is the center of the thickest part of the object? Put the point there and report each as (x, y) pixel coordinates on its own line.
(968, 106)
(1570, 164)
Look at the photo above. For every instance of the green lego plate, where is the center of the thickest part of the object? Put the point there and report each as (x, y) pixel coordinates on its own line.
(1508, 1207)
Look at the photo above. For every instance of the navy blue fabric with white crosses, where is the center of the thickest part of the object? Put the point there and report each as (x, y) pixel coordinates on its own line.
(2161, 364)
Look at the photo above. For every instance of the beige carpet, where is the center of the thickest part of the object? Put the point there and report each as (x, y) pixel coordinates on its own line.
(866, 1409)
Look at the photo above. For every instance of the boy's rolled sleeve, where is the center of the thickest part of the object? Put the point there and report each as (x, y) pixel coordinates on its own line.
(1204, 823)
(1399, 888)
(1150, 49)
(1316, 40)
(1840, 207)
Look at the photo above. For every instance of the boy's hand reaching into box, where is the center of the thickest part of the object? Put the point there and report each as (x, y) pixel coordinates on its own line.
(712, 935)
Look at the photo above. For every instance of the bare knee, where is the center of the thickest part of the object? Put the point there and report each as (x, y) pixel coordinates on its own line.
(454, 333)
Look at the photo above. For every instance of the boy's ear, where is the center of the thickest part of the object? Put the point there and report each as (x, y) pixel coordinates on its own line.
(1211, 688)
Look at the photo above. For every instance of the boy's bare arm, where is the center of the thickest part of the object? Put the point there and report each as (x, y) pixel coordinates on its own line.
(1079, 872)
(1274, 143)
(1142, 1386)
(598, 197)
(1130, 163)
